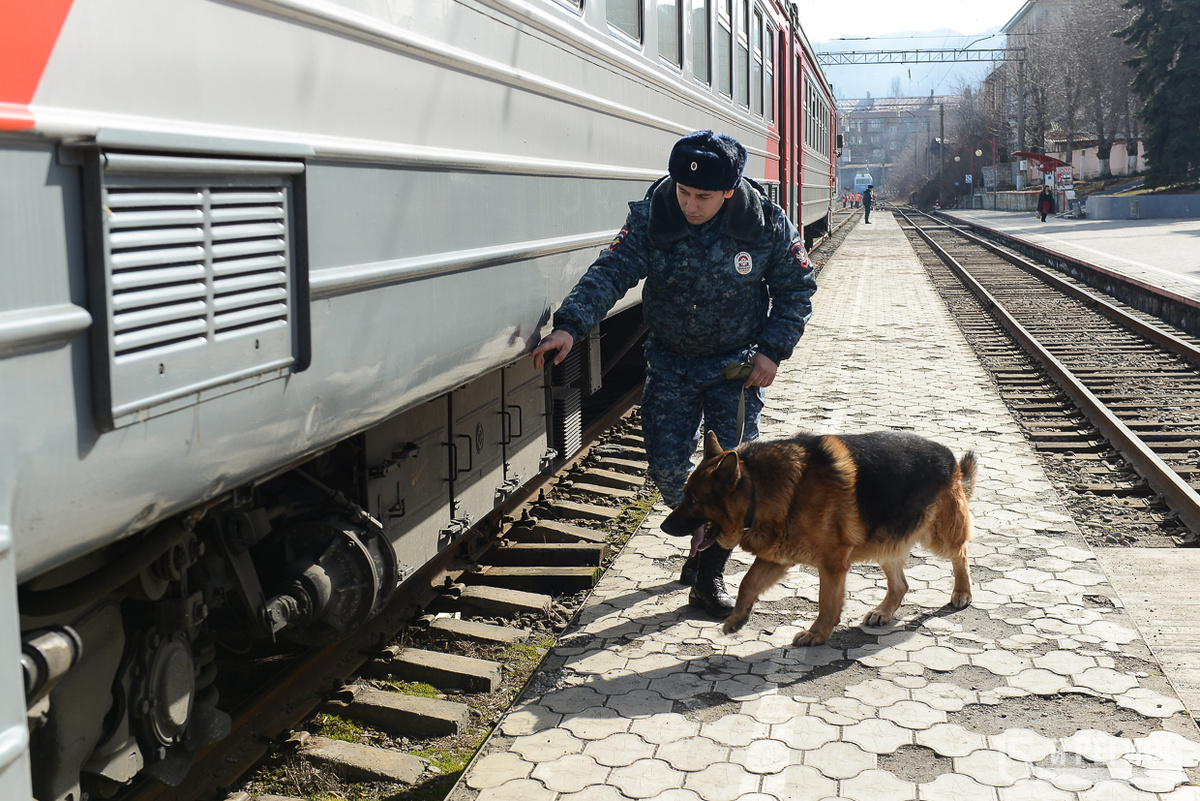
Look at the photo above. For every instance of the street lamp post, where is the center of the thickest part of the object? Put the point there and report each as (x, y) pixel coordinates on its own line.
(995, 177)
(958, 160)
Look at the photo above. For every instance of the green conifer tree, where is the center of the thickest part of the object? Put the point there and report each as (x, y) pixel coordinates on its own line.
(1167, 34)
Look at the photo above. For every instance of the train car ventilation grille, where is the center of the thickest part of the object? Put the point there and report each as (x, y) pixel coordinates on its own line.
(200, 277)
(194, 265)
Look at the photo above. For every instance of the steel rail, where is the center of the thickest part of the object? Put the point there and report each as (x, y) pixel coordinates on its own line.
(1182, 311)
(1182, 499)
(1158, 336)
(830, 234)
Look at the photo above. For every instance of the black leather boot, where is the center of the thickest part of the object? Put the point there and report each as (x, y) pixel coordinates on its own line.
(709, 593)
(691, 568)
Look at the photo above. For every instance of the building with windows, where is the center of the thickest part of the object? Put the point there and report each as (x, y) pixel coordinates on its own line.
(894, 139)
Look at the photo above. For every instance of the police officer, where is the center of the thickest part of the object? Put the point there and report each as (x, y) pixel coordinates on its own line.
(868, 200)
(727, 281)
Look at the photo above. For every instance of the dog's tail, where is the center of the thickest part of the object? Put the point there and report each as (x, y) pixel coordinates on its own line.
(968, 466)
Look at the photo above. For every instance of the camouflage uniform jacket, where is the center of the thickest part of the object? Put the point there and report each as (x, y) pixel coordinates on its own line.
(748, 287)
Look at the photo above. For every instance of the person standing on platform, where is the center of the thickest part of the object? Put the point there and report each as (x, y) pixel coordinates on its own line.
(1045, 202)
(868, 201)
(727, 285)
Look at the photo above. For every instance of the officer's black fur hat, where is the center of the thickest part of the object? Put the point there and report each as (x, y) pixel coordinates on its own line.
(707, 160)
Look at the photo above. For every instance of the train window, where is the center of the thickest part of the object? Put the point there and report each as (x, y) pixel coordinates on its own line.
(670, 19)
(812, 116)
(769, 63)
(743, 55)
(808, 115)
(816, 120)
(701, 58)
(825, 128)
(756, 63)
(626, 17)
(725, 47)
(824, 143)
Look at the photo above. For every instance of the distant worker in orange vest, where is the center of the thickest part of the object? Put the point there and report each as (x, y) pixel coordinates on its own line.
(857, 199)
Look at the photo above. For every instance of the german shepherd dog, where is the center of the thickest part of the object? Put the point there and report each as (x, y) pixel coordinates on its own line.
(830, 501)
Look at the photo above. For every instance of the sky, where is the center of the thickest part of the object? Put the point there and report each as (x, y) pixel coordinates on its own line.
(823, 20)
(872, 25)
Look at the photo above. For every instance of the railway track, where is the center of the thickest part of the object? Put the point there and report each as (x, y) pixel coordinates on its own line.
(403, 704)
(1105, 393)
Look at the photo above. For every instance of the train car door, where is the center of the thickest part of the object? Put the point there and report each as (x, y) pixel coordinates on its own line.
(796, 113)
(787, 122)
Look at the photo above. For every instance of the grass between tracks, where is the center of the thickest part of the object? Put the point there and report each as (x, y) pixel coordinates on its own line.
(288, 774)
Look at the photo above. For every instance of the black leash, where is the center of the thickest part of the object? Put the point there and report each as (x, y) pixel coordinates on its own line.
(739, 370)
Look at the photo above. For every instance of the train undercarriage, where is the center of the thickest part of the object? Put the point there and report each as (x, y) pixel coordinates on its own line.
(125, 651)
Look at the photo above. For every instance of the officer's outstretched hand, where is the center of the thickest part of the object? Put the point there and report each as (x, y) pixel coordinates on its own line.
(556, 340)
(762, 373)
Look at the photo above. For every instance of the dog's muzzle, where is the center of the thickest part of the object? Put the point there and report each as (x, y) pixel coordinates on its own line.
(703, 534)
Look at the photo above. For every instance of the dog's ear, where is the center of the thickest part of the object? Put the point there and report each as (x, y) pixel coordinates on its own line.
(711, 446)
(727, 473)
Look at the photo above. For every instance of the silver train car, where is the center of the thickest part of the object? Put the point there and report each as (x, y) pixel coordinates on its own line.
(269, 274)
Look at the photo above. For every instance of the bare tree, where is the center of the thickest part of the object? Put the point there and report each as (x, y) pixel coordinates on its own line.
(1070, 81)
(1095, 65)
(1040, 74)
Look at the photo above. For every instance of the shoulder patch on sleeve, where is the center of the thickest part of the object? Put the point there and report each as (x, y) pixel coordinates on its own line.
(620, 237)
(800, 254)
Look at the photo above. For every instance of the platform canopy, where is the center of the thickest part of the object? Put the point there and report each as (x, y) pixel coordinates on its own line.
(1045, 163)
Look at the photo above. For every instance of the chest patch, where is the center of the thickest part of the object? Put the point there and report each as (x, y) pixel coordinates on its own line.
(743, 263)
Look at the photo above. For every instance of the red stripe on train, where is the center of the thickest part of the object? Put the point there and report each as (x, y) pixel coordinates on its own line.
(28, 31)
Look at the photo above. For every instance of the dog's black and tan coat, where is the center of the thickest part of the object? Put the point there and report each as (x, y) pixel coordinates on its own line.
(829, 502)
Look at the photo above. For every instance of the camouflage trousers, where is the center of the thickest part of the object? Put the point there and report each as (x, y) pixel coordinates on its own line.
(679, 394)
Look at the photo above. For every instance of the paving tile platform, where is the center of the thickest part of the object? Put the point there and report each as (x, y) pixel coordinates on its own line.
(1042, 689)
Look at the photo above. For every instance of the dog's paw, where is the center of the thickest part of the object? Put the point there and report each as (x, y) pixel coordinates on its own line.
(734, 622)
(810, 637)
(960, 600)
(876, 619)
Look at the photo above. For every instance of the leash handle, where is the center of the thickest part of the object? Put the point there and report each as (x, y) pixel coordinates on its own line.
(735, 371)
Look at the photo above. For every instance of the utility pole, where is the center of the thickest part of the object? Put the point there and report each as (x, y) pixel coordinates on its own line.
(928, 136)
(1021, 105)
(941, 150)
